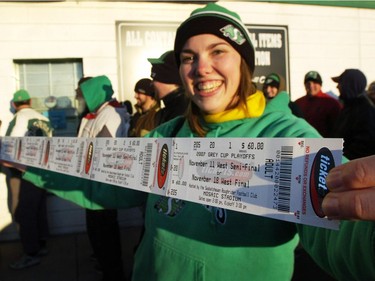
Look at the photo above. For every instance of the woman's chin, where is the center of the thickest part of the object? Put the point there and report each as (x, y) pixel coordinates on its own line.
(209, 110)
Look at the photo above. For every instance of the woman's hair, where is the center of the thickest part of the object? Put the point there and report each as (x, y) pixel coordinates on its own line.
(245, 89)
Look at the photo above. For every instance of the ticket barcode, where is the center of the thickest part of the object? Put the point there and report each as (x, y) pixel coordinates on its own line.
(80, 157)
(286, 163)
(147, 164)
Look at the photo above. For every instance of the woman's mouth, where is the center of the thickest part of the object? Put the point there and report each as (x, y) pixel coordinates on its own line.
(208, 87)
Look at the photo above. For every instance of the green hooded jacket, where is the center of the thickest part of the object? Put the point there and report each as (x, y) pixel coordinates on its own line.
(187, 241)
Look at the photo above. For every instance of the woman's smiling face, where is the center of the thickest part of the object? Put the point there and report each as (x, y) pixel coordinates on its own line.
(210, 70)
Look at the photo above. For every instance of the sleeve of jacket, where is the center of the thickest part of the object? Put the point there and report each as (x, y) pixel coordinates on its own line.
(347, 254)
(85, 193)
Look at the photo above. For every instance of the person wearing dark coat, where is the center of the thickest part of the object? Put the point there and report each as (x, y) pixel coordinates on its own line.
(168, 87)
(356, 122)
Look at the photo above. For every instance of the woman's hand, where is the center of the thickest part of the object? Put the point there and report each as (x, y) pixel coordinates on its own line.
(352, 190)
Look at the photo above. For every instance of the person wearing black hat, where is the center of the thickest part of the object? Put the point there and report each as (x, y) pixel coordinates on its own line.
(319, 109)
(187, 241)
(168, 87)
(147, 106)
(271, 88)
(356, 122)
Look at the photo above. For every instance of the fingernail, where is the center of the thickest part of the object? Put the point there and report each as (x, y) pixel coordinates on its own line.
(334, 179)
(330, 205)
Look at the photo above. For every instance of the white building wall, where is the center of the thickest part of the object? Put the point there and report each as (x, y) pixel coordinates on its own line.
(326, 39)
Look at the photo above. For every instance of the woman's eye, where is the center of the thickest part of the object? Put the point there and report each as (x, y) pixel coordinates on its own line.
(217, 52)
(187, 59)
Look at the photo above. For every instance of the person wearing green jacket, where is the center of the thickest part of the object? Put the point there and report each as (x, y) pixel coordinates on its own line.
(190, 241)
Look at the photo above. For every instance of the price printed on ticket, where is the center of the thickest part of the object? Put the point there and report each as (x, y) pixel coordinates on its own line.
(280, 178)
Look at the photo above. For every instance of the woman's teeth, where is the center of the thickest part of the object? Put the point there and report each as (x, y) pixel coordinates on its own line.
(209, 86)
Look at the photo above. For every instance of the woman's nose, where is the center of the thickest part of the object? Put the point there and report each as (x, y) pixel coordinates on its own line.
(203, 66)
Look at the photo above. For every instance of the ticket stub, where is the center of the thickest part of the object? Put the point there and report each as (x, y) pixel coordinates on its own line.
(9, 148)
(126, 162)
(64, 155)
(27, 150)
(281, 178)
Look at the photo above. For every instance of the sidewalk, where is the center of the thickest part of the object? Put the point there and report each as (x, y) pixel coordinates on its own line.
(68, 258)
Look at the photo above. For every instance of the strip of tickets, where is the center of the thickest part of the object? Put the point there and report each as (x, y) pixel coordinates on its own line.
(280, 178)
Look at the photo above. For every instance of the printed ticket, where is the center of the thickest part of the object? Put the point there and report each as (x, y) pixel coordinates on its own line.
(280, 178)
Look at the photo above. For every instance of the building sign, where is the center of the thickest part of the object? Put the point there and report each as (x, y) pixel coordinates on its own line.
(138, 41)
(271, 53)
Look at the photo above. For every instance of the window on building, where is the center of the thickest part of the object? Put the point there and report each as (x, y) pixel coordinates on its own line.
(52, 84)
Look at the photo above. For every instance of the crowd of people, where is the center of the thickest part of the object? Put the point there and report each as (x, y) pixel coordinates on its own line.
(203, 88)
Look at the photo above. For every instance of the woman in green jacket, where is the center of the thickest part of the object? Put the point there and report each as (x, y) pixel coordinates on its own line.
(190, 241)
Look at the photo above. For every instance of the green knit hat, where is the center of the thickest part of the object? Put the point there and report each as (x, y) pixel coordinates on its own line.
(219, 21)
(272, 80)
(313, 76)
(21, 95)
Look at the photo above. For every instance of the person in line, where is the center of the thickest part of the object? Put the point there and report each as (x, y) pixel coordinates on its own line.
(144, 120)
(272, 86)
(371, 92)
(216, 61)
(318, 108)
(28, 203)
(304, 266)
(168, 87)
(129, 107)
(105, 118)
(356, 122)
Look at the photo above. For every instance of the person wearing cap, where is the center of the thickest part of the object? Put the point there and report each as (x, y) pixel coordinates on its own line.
(28, 202)
(27, 121)
(189, 241)
(356, 122)
(319, 109)
(271, 87)
(147, 106)
(168, 87)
